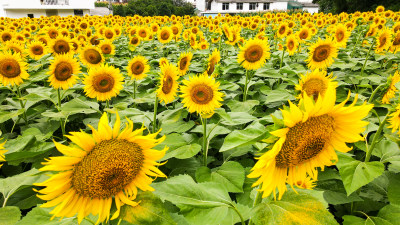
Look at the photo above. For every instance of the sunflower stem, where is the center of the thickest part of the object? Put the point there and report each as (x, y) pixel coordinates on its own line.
(155, 115)
(283, 53)
(366, 58)
(205, 145)
(134, 89)
(355, 45)
(22, 105)
(245, 86)
(59, 110)
(256, 202)
(376, 137)
(371, 98)
(239, 214)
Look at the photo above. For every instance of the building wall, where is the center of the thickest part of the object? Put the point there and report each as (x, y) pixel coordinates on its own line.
(311, 10)
(19, 13)
(278, 6)
(35, 4)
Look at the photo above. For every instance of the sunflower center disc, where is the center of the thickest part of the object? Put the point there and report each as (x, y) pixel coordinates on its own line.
(10, 68)
(38, 50)
(92, 56)
(107, 169)
(63, 71)
(321, 53)
(137, 68)
(339, 36)
(167, 85)
(165, 35)
(61, 46)
(103, 83)
(211, 68)
(183, 63)
(290, 45)
(305, 140)
(303, 35)
(383, 42)
(106, 49)
(253, 53)
(314, 87)
(202, 94)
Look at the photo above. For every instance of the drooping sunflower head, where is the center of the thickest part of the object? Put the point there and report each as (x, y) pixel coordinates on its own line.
(165, 35)
(107, 47)
(184, 62)
(2, 151)
(63, 70)
(103, 82)
(15, 46)
(91, 56)
(60, 45)
(168, 88)
(314, 130)
(213, 60)
(315, 84)
(12, 68)
(201, 94)
(394, 120)
(163, 61)
(138, 67)
(383, 40)
(321, 54)
(253, 54)
(37, 49)
(391, 88)
(396, 43)
(291, 44)
(98, 169)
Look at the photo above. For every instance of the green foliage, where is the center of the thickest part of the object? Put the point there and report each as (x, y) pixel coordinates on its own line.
(351, 6)
(154, 8)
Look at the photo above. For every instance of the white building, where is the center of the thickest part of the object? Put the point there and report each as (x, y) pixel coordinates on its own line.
(37, 8)
(248, 6)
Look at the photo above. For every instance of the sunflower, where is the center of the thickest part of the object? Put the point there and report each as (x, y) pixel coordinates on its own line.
(91, 56)
(201, 94)
(341, 35)
(37, 49)
(138, 67)
(107, 47)
(315, 84)
(168, 83)
(60, 45)
(307, 183)
(253, 55)
(313, 131)
(103, 82)
(321, 54)
(62, 71)
(165, 35)
(291, 44)
(184, 62)
(163, 61)
(380, 9)
(12, 68)
(383, 40)
(213, 60)
(304, 34)
(2, 151)
(99, 169)
(394, 120)
(396, 43)
(391, 90)
(135, 41)
(282, 30)
(109, 34)
(143, 33)
(6, 36)
(15, 46)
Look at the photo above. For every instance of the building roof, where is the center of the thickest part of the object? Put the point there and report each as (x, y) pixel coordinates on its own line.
(245, 1)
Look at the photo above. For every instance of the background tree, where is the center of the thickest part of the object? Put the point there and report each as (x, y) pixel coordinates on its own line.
(350, 6)
(156, 8)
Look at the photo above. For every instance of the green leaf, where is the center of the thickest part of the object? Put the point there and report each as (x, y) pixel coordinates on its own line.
(6, 115)
(390, 213)
(9, 215)
(151, 210)
(277, 96)
(354, 220)
(212, 130)
(294, 208)
(183, 152)
(248, 136)
(183, 191)
(356, 174)
(77, 105)
(41, 216)
(10, 185)
(246, 106)
(230, 174)
(393, 191)
(234, 118)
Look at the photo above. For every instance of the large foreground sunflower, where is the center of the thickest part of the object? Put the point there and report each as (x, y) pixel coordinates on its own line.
(12, 68)
(322, 53)
(63, 71)
(168, 83)
(201, 94)
(313, 131)
(138, 67)
(99, 169)
(253, 55)
(103, 82)
(315, 84)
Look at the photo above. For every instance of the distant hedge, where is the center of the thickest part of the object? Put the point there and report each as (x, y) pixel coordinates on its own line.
(154, 8)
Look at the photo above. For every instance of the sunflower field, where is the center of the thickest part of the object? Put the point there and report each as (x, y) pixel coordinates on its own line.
(274, 118)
